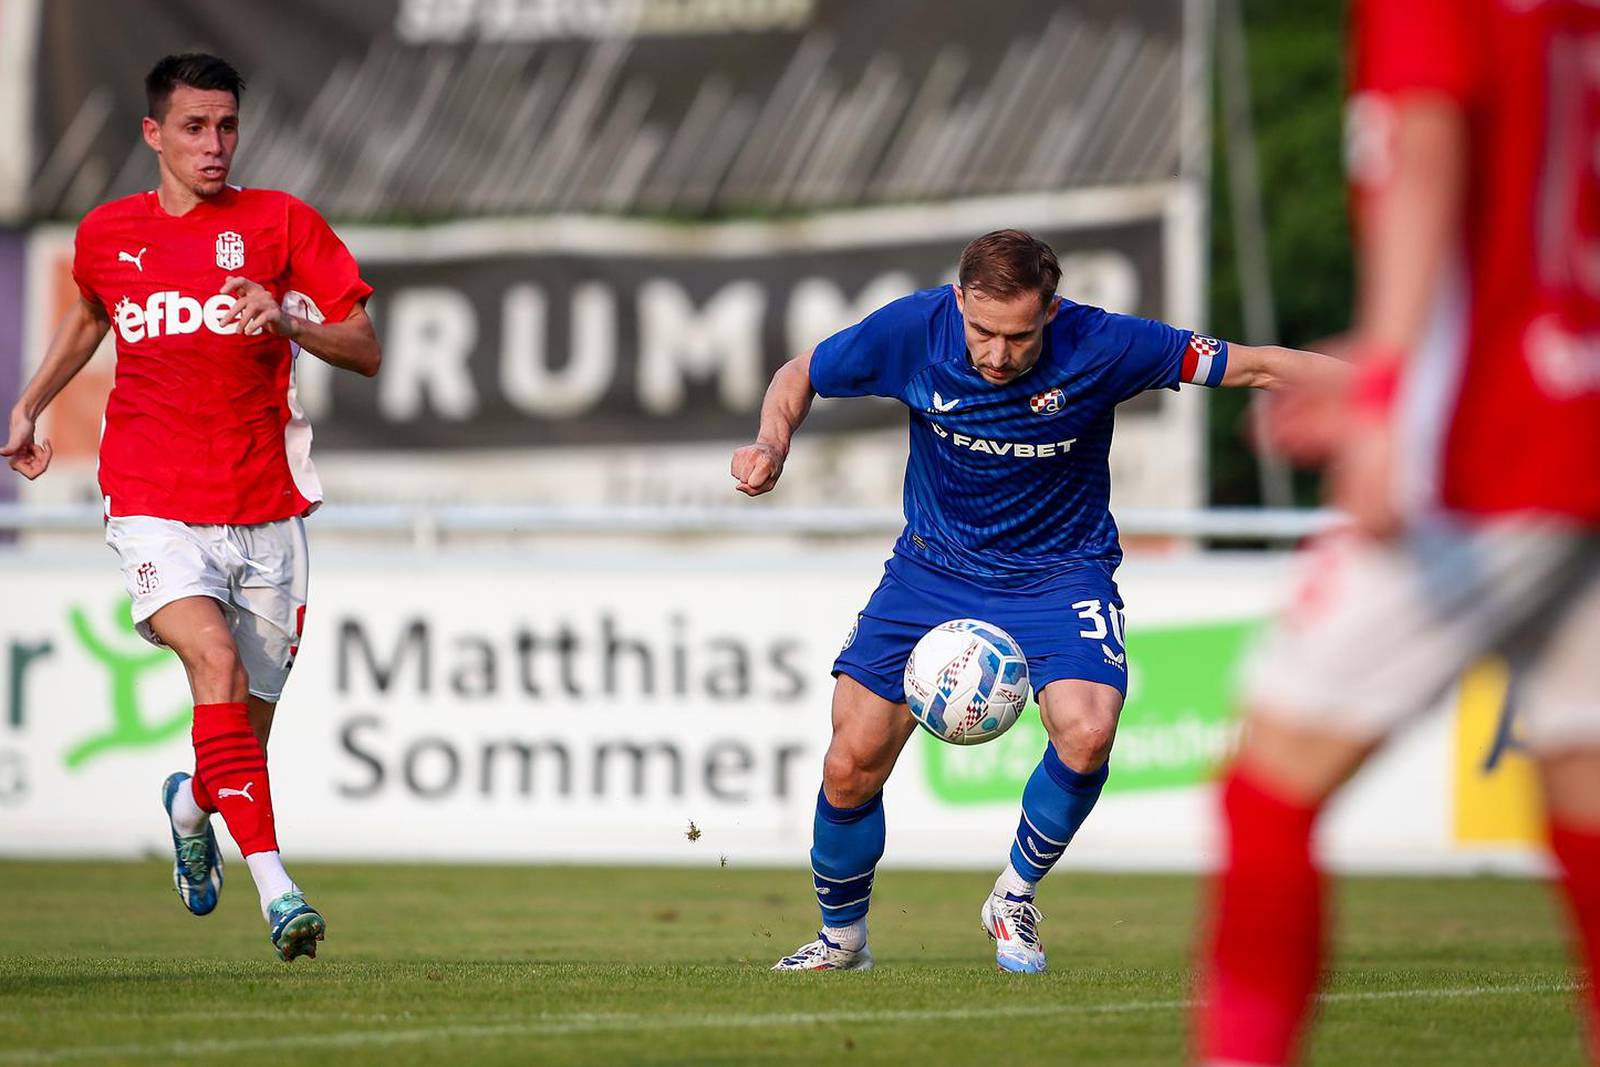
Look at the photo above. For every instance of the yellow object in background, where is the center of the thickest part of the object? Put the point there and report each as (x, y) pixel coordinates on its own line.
(1497, 798)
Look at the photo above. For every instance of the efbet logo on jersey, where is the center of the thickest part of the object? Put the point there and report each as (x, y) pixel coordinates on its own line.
(1048, 402)
(169, 313)
(230, 250)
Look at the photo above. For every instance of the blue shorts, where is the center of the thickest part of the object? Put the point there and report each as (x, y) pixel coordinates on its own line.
(1069, 624)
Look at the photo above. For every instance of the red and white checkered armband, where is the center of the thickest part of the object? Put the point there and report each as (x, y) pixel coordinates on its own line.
(1205, 360)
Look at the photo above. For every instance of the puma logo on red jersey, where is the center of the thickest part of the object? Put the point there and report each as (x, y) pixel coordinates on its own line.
(136, 260)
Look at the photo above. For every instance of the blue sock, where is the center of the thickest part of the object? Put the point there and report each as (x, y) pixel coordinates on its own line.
(846, 846)
(1055, 802)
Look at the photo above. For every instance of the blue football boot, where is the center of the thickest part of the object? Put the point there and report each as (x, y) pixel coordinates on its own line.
(197, 862)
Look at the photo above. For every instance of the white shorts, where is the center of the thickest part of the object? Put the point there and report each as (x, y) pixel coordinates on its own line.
(1377, 634)
(257, 573)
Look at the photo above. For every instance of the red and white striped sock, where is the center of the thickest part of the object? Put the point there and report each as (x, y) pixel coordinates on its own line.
(232, 768)
(231, 777)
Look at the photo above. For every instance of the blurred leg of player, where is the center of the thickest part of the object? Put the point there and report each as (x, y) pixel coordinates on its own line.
(1081, 719)
(1572, 803)
(1265, 957)
(1528, 591)
(1559, 699)
(869, 733)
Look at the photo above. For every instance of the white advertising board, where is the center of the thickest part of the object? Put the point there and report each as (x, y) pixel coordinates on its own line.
(589, 710)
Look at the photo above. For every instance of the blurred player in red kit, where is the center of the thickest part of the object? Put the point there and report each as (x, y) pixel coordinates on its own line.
(213, 291)
(1468, 453)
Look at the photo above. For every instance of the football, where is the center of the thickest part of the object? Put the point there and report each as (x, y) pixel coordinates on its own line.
(967, 681)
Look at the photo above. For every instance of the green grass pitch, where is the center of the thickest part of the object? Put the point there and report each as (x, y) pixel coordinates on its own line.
(99, 963)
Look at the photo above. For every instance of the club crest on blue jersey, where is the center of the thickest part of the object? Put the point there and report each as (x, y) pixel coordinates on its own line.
(1048, 402)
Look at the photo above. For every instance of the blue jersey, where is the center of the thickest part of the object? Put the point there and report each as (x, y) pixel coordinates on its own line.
(1009, 481)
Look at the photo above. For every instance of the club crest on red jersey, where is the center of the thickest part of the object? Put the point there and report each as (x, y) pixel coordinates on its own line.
(230, 250)
(1048, 402)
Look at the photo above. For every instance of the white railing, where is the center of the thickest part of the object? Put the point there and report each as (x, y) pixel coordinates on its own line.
(428, 524)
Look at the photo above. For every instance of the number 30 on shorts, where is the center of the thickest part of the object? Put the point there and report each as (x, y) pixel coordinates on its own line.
(1095, 613)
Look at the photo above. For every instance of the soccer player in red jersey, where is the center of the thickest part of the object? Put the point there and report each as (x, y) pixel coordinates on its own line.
(1468, 454)
(213, 292)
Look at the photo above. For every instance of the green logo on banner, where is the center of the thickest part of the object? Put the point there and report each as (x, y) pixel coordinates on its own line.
(125, 666)
(1178, 724)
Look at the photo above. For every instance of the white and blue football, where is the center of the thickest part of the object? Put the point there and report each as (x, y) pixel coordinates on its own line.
(967, 681)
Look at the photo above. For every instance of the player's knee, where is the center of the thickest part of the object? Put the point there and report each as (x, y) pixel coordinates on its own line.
(849, 781)
(216, 665)
(1084, 742)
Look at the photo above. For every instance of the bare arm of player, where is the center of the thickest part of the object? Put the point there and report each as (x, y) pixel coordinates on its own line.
(80, 333)
(348, 345)
(1416, 188)
(1414, 226)
(1273, 367)
(756, 467)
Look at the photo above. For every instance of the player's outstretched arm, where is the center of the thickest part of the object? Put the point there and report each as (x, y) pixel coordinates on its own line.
(348, 345)
(80, 333)
(756, 467)
(1274, 367)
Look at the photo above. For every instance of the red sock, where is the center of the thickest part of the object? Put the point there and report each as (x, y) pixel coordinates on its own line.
(232, 769)
(1579, 853)
(202, 795)
(1265, 954)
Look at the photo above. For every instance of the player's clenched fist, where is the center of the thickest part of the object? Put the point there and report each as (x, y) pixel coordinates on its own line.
(27, 457)
(257, 310)
(756, 468)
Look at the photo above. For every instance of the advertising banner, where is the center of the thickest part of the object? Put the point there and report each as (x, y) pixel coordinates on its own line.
(586, 331)
(595, 229)
(663, 710)
(436, 109)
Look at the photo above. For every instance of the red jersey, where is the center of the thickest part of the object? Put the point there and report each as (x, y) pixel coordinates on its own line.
(202, 425)
(1502, 401)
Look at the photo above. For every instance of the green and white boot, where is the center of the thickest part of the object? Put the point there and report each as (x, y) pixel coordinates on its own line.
(296, 926)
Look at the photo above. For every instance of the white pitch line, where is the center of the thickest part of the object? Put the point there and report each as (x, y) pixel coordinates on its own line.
(545, 1025)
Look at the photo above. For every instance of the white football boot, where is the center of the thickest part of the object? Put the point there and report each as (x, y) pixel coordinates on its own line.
(1013, 926)
(824, 955)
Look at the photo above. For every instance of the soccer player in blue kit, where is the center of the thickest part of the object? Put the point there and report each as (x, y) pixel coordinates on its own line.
(1011, 391)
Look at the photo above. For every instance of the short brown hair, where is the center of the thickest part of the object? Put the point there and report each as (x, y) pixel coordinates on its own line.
(1005, 264)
